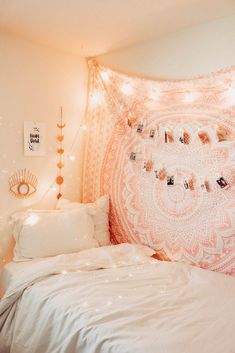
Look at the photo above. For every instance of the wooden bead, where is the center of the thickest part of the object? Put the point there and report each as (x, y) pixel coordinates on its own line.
(60, 138)
(59, 180)
(60, 150)
(60, 165)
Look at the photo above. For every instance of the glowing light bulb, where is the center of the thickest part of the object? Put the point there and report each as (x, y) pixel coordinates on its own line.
(127, 89)
(96, 98)
(190, 97)
(105, 76)
(154, 94)
(72, 157)
(231, 94)
(53, 188)
(32, 219)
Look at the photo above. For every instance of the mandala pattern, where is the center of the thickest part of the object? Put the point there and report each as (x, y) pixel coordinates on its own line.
(183, 224)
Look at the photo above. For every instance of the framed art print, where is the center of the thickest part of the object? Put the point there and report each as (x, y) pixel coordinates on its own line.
(34, 138)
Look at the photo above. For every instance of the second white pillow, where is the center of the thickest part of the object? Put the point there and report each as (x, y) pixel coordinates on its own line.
(49, 233)
(98, 210)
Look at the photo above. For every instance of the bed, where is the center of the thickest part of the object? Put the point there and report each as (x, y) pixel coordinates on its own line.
(115, 299)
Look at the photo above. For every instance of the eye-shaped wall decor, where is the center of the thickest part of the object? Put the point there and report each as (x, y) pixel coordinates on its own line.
(23, 184)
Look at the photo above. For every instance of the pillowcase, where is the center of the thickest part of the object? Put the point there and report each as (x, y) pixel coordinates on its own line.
(99, 211)
(50, 233)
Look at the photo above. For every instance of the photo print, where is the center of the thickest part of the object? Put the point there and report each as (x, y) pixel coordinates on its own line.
(149, 166)
(204, 186)
(156, 174)
(132, 121)
(162, 174)
(168, 136)
(204, 137)
(170, 180)
(34, 138)
(152, 133)
(140, 128)
(186, 185)
(221, 133)
(184, 138)
(222, 183)
(133, 156)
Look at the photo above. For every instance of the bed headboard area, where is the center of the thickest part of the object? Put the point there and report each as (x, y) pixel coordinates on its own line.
(164, 151)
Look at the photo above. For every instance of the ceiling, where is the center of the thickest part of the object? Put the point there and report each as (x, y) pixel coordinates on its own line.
(94, 27)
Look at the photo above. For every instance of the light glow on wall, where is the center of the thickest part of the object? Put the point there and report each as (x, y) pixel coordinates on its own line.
(71, 157)
(32, 219)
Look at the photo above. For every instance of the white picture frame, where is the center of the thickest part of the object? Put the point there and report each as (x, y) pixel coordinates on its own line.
(34, 138)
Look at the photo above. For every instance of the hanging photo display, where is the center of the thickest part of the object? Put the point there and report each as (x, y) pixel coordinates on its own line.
(34, 138)
(167, 205)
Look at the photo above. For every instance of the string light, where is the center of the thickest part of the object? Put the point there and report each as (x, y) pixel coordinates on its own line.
(231, 94)
(154, 94)
(105, 76)
(96, 98)
(190, 97)
(127, 89)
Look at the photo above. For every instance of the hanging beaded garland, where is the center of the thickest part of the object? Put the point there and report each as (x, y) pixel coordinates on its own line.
(60, 152)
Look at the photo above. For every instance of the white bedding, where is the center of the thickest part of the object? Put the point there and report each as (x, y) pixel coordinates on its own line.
(10, 272)
(114, 300)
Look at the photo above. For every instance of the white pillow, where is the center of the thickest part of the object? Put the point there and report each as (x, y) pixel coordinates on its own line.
(50, 233)
(99, 211)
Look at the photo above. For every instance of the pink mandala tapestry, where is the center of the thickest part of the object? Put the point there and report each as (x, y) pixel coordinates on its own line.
(164, 151)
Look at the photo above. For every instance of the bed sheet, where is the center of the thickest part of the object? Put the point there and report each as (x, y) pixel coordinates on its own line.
(98, 305)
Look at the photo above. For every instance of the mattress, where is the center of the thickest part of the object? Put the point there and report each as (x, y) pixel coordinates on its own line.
(98, 304)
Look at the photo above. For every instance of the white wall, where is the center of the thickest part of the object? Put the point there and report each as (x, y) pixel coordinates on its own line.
(184, 54)
(34, 82)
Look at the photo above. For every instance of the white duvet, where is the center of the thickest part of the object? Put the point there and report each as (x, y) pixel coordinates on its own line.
(117, 300)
